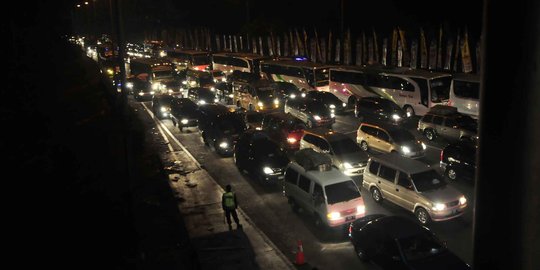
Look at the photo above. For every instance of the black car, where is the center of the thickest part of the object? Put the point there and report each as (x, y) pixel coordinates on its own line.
(262, 158)
(140, 89)
(184, 113)
(379, 110)
(395, 242)
(335, 105)
(224, 92)
(202, 95)
(254, 119)
(220, 127)
(161, 105)
(286, 90)
(312, 112)
(459, 160)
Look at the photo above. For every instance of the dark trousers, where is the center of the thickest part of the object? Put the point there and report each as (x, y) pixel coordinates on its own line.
(228, 213)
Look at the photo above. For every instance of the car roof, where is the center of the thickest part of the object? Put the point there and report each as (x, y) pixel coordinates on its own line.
(397, 227)
(323, 178)
(407, 165)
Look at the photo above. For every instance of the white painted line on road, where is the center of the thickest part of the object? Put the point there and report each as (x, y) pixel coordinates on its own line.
(162, 128)
(345, 123)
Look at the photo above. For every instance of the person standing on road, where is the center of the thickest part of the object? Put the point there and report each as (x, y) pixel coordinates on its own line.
(229, 204)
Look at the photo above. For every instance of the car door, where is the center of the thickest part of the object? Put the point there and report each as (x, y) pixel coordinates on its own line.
(385, 180)
(438, 125)
(382, 141)
(450, 129)
(305, 198)
(406, 195)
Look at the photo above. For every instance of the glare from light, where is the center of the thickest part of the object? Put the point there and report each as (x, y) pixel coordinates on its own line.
(184, 121)
(409, 114)
(291, 140)
(260, 104)
(424, 146)
(344, 104)
(202, 101)
(462, 200)
(347, 165)
(212, 89)
(332, 106)
(231, 96)
(439, 206)
(405, 149)
(224, 145)
(129, 85)
(216, 100)
(396, 117)
(141, 93)
(276, 101)
(152, 92)
(361, 209)
(268, 170)
(333, 115)
(334, 215)
(292, 96)
(317, 118)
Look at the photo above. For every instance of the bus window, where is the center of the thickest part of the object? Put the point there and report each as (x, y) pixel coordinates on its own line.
(422, 84)
(440, 89)
(466, 89)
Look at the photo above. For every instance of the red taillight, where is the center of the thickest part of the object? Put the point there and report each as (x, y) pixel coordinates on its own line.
(442, 154)
(350, 230)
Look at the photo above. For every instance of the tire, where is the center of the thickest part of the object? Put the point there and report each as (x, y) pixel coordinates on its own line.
(364, 146)
(451, 173)
(360, 254)
(409, 110)
(294, 207)
(422, 215)
(376, 195)
(430, 134)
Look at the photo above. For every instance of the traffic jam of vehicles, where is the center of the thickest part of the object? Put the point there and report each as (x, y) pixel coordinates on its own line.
(335, 139)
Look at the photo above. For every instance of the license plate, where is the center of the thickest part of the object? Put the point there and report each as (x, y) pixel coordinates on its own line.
(350, 218)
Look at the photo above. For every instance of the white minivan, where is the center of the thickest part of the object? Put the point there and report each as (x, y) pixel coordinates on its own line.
(325, 193)
(465, 94)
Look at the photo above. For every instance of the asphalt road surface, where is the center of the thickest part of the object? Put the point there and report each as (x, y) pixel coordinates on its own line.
(324, 249)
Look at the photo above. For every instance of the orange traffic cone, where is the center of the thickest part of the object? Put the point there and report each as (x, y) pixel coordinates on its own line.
(300, 254)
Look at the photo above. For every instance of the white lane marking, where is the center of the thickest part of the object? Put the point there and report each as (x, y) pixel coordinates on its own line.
(161, 128)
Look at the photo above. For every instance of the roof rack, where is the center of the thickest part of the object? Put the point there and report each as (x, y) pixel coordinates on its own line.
(443, 110)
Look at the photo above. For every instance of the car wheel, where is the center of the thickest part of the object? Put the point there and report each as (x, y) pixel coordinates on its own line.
(295, 208)
(451, 173)
(360, 254)
(364, 146)
(409, 110)
(422, 215)
(430, 135)
(376, 195)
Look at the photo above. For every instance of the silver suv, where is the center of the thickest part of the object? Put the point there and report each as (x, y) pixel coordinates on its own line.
(446, 122)
(414, 186)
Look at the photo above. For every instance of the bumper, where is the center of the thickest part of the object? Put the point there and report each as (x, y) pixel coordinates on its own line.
(346, 220)
(448, 214)
(273, 178)
(354, 171)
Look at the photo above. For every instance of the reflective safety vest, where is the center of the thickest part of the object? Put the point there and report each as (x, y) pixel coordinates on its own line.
(229, 200)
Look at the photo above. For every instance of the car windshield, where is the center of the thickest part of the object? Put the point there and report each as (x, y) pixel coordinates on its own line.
(466, 89)
(344, 146)
(428, 180)
(401, 135)
(318, 108)
(420, 246)
(341, 192)
(231, 125)
(440, 89)
(201, 60)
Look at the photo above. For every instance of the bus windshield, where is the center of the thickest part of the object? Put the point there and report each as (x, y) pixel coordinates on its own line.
(440, 89)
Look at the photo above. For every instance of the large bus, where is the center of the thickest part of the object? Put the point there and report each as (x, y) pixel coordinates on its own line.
(465, 94)
(189, 59)
(158, 72)
(414, 90)
(305, 75)
(244, 62)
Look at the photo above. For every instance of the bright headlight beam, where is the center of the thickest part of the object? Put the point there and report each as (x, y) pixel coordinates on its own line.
(439, 206)
(268, 170)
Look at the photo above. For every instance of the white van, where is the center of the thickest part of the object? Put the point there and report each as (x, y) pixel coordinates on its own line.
(331, 197)
(465, 94)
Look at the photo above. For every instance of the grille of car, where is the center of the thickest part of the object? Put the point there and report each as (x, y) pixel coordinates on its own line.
(452, 204)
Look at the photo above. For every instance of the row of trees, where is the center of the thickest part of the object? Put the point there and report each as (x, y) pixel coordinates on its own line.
(438, 50)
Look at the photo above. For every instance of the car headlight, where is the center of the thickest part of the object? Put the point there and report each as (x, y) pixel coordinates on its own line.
(405, 149)
(276, 101)
(332, 106)
(292, 96)
(291, 140)
(184, 121)
(212, 89)
(163, 109)
(361, 209)
(439, 206)
(396, 117)
(303, 95)
(462, 200)
(110, 71)
(344, 104)
(333, 115)
(223, 79)
(216, 100)
(129, 85)
(215, 80)
(202, 101)
(333, 215)
(155, 86)
(152, 92)
(141, 93)
(231, 96)
(347, 165)
(260, 104)
(184, 82)
(424, 146)
(224, 145)
(408, 114)
(162, 54)
(268, 170)
(317, 118)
